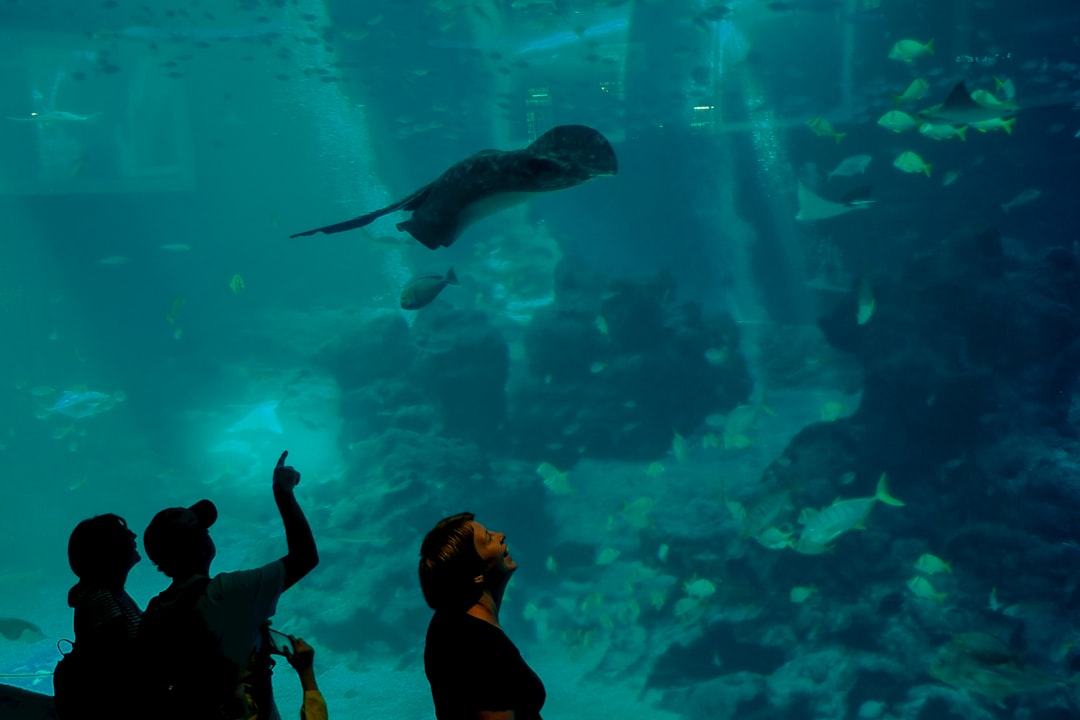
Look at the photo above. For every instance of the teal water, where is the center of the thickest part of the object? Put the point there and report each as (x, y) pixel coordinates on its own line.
(704, 367)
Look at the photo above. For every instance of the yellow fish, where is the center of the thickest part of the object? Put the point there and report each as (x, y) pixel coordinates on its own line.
(943, 131)
(637, 512)
(866, 302)
(897, 121)
(607, 556)
(824, 128)
(699, 588)
(657, 598)
(236, 284)
(932, 564)
(556, 481)
(831, 411)
(820, 528)
(174, 309)
(680, 448)
(921, 588)
(995, 124)
(909, 162)
(915, 91)
(908, 50)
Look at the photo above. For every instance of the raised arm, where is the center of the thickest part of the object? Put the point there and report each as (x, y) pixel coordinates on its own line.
(303, 556)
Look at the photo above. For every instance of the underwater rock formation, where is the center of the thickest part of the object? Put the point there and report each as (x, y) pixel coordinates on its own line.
(614, 367)
(462, 364)
(970, 365)
(422, 408)
(965, 345)
(399, 482)
(372, 366)
(446, 374)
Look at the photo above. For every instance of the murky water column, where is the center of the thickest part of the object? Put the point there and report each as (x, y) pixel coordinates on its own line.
(768, 279)
(340, 127)
(791, 299)
(743, 296)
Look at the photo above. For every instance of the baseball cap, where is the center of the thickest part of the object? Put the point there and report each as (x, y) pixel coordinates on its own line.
(173, 529)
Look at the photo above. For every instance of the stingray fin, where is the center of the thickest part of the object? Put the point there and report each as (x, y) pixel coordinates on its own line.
(415, 200)
(411, 202)
(579, 145)
(432, 241)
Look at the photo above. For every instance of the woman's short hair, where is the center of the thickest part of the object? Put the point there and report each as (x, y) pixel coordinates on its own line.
(99, 548)
(449, 564)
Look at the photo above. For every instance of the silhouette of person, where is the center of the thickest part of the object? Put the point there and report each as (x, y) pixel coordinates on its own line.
(101, 552)
(232, 605)
(475, 670)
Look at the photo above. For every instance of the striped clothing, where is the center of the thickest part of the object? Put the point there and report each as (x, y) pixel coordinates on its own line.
(105, 618)
(106, 623)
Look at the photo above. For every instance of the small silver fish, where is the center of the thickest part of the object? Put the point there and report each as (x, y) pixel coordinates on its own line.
(854, 165)
(56, 116)
(80, 404)
(1023, 198)
(422, 290)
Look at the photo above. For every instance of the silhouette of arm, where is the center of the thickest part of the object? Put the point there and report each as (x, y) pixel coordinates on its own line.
(303, 556)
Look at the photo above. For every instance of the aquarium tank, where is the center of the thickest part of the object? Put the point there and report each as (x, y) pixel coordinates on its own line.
(751, 329)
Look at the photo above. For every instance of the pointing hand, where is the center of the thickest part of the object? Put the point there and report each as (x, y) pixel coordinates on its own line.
(285, 476)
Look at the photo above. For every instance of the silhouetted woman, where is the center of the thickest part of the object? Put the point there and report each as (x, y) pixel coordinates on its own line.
(475, 671)
(101, 552)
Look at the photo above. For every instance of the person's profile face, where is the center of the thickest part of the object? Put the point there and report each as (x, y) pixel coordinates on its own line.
(493, 550)
(135, 556)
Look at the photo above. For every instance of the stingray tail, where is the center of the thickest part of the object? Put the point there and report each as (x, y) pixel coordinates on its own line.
(409, 203)
(347, 225)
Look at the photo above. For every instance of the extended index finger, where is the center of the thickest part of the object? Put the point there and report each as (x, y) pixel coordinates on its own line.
(281, 460)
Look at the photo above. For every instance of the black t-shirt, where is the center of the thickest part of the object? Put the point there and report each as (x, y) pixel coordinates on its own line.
(472, 666)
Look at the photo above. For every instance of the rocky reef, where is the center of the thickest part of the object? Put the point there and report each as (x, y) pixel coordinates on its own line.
(446, 375)
(969, 361)
(969, 366)
(437, 419)
(614, 367)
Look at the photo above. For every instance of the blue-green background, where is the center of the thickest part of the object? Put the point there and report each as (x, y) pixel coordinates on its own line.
(227, 126)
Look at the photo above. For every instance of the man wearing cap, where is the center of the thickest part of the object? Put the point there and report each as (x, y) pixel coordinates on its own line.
(233, 605)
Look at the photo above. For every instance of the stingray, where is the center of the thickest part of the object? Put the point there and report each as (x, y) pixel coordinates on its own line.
(20, 630)
(814, 207)
(492, 180)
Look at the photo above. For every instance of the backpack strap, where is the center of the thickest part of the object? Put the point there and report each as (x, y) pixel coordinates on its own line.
(180, 597)
(186, 674)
